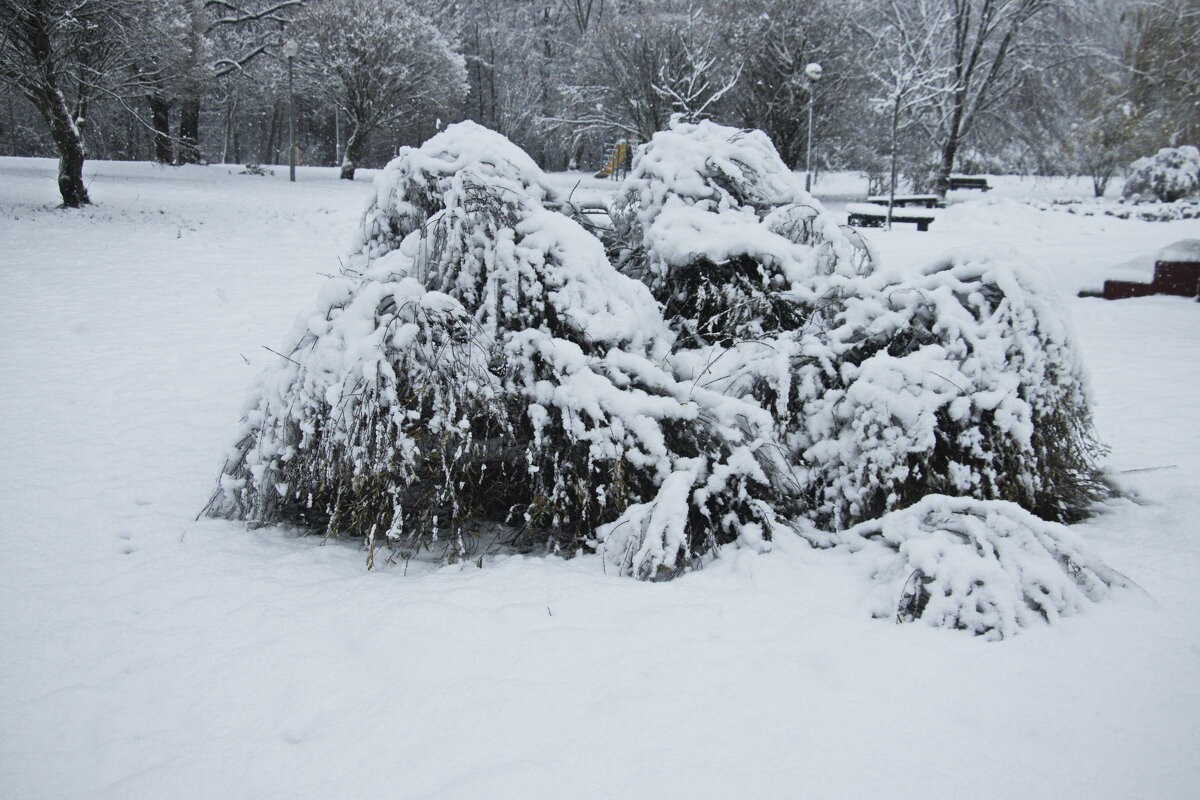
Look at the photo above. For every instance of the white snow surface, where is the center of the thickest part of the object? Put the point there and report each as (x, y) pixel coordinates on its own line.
(1184, 250)
(146, 654)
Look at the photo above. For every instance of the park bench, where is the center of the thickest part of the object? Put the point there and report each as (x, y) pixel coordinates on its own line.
(965, 182)
(907, 200)
(873, 215)
(1176, 272)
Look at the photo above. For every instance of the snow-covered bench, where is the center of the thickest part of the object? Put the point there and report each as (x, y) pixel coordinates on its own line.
(965, 182)
(873, 215)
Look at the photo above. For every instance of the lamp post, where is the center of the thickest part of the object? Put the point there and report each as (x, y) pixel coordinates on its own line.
(813, 72)
(290, 49)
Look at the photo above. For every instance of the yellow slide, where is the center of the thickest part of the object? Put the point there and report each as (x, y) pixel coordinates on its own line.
(616, 161)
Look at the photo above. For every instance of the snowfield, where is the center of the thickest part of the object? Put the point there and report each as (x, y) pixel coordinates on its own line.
(144, 654)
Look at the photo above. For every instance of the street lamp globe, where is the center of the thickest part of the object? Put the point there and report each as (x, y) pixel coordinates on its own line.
(813, 71)
(291, 48)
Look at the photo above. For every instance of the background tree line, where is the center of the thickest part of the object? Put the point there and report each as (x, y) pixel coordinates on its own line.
(929, 86)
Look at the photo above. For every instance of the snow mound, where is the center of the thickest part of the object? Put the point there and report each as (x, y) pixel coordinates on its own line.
(989, 567)
(411, 188)
(718, 227)
(1183, 250)
(494, 376)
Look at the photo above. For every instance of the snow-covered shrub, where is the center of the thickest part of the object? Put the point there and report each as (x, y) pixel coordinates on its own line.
(989, 567)
(480, 369)
(1171, 174)
(414, 186)
(964, 380)
(718, 227)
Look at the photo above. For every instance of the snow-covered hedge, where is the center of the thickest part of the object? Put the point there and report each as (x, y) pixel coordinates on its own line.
(962, 380)
(723, 233)
(1171, 174)
(480, 372)
(1144, 211)
(480, 368)
(989, 567)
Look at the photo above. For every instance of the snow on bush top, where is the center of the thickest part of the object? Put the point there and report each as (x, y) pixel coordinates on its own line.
(412, 187)
(720, 229)
(1170, 174)
(715, 167)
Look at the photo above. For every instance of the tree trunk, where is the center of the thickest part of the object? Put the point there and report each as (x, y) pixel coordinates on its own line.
(230, 116)
(69, 143)
(354, 151)
(949, 153)
(160, 120)
(269, 154)
(189, 128)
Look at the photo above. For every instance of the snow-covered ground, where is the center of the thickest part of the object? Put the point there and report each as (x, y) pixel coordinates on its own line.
(146, 654)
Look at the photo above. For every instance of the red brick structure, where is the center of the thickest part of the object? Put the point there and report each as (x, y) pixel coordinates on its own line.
(1176, 271)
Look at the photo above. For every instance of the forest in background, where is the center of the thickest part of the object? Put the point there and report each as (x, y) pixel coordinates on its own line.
(1029, 86)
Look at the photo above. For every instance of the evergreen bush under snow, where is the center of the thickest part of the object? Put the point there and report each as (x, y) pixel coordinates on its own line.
(962, 380)
(989, 567)
(481, 372)
(481, 367)
(1171, 174)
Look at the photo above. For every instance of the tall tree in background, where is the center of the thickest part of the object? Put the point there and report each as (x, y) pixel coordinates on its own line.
(777, 39)
(905, 68)
(61, 55)
(986, 55)
(378, 61)
(220, 38)
(638, 69)
(1164, 60)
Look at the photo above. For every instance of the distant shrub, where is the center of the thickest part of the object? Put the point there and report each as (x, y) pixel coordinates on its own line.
(256, 169)
(1169, 175)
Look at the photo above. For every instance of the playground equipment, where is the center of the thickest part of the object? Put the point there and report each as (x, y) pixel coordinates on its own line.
(618, 157)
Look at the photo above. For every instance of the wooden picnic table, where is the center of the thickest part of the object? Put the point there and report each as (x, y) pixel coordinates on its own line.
(907, 200)
(873, 215)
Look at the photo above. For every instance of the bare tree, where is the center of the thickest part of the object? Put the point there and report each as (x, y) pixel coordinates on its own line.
(985, 57)
(62, 55)
(905, 67)
(219, 38)
(1165, 65)
(639, 69)
(378, 61)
